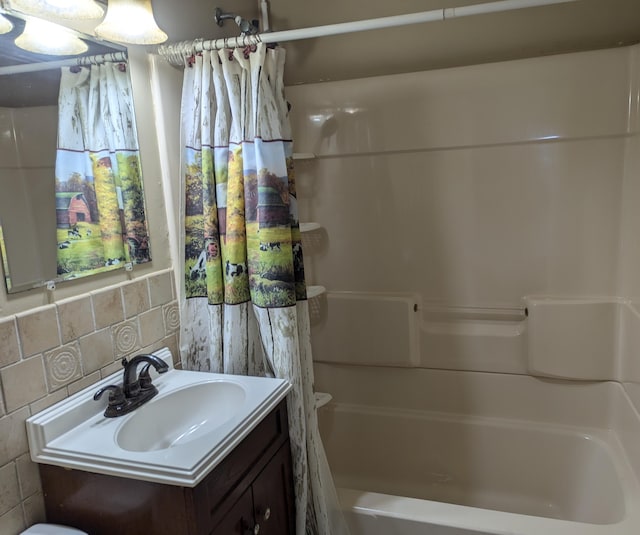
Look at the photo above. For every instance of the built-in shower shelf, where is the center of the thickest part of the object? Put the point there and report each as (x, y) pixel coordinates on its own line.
(304, 156)
(310, 226)
(315, 291)
(322, 398)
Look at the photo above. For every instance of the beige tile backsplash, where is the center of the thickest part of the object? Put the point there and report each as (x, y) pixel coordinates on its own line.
(135, 296)
(151, 326)
(9, 345)
(63, 365)
(126, 336)
(29, 476)
(14, 436)
(107, 307)
(52, 352)
(160, 289)
(33, 508)
(9, 488)
(38, 330)
(23, 382)
(97, 350)
(13, 521)
(76, 318)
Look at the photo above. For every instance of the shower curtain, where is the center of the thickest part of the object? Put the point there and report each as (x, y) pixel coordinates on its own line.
(243, 308)
(100, 214)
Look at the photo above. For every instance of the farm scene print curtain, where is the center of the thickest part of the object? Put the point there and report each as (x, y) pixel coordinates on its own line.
(100, 214)
(243, 304)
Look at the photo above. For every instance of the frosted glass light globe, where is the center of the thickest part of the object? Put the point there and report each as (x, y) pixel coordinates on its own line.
(44, 37)
(130, 21)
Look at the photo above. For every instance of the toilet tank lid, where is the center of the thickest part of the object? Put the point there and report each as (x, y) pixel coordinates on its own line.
(52, 529)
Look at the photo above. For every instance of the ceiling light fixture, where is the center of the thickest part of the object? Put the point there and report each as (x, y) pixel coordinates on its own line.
(5, 24)
(44, 37)
(64, 9)
(132, 22)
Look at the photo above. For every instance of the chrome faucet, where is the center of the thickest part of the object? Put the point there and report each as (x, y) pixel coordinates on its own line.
(136, 389)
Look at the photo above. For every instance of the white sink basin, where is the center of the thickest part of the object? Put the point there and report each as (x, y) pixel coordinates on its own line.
(181, 416)
(177, 437)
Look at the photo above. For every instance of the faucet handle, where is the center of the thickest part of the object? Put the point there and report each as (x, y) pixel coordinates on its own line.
(145, 378)
(117, 401)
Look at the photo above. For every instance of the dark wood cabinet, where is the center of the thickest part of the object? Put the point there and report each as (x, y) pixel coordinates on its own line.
(270, 506)
(239, 519)
(250, 491)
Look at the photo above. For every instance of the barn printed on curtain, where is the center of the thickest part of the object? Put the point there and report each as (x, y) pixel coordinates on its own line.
(100, 213)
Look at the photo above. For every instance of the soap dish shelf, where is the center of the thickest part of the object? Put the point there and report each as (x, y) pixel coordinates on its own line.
(315, 291)
(322, 399)
(310, 226)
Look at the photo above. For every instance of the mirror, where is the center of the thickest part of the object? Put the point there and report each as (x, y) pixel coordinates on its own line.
(41, 240)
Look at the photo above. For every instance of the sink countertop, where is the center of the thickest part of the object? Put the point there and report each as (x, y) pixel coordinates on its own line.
(75, 434)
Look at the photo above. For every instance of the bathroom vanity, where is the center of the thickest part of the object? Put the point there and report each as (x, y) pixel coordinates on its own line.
(209, 455)
(250, 491)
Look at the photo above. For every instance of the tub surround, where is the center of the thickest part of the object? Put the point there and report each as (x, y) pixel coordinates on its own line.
(446, 198)
(459, 192)
(52, 352)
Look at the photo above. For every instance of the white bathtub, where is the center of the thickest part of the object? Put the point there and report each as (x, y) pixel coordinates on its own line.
(456, 453)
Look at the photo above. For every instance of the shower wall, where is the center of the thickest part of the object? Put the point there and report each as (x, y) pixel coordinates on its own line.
(446, 197)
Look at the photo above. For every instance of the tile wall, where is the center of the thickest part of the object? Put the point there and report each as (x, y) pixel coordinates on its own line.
(51, 352)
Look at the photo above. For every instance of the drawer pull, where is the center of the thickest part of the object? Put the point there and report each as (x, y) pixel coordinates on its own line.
(267, 513)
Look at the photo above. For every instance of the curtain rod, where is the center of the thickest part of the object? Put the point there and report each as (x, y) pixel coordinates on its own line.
(73, 62)
(176, 52)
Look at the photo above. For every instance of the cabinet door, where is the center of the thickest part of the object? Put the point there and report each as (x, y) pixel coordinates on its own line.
(239, 519)
(273, 499)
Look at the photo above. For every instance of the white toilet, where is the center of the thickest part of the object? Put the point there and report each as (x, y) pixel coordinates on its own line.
(52, 529)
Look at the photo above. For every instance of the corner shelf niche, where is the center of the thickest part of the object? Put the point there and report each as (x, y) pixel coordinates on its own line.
(322, 399)
(304, 156)
(315, 291)
(310, 226)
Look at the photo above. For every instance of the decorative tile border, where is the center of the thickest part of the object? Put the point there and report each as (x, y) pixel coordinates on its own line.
(125, 337)
(63, 365)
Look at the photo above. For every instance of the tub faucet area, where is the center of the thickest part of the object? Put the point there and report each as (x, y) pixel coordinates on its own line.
(136, 389)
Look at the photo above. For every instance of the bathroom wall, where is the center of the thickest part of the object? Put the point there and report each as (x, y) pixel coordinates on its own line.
(446, 197)
(53, 344)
